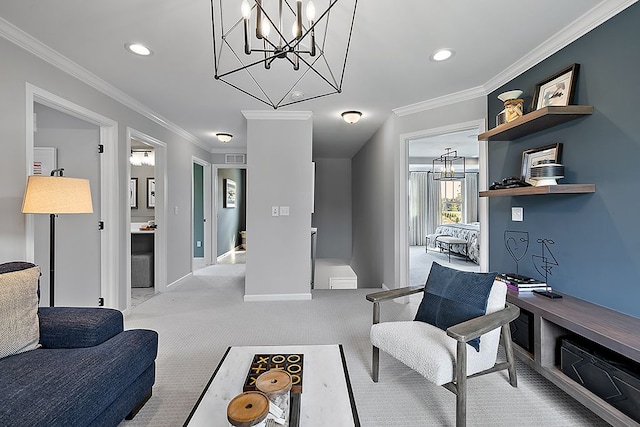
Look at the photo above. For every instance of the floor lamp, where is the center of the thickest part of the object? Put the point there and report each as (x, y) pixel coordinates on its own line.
(55, 195)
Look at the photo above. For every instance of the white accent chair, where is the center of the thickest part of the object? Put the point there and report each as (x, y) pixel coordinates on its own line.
(444, 357)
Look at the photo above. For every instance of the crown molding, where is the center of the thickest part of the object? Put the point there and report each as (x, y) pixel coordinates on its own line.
(604, 11)
(276, 115)
(47, 54)
(441, 101)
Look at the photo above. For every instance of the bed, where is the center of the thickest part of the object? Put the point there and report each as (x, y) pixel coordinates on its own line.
(469, 232)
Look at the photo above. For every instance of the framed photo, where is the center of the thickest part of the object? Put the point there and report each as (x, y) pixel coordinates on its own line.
(557, 90)
(133, 193)
(229, 193)
(531, 157)
(151, 193)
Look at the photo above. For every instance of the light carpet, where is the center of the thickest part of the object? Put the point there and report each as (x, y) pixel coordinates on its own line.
(198, 319)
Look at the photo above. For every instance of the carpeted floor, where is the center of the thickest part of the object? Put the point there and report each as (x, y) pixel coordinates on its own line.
(198, 319)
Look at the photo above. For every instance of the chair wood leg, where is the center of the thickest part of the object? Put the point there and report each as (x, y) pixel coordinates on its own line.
(461, 385)
(508, 348)
(375, 364)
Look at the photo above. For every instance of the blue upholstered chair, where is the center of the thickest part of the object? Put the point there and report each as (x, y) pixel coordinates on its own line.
(456, 332)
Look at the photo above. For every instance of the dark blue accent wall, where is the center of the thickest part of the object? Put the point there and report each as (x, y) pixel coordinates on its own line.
(596, 236)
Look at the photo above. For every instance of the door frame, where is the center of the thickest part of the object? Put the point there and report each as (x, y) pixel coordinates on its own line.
(109, 266)
(215, 203)
(207, 205)
(160, 235)
(402, 194)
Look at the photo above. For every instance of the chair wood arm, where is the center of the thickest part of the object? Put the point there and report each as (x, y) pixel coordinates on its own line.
(394, 293)
(473, 328)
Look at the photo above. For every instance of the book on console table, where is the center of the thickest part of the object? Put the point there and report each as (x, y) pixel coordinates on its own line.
(520, 283)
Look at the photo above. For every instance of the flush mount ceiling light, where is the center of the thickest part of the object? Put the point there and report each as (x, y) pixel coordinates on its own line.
(138, 49)
(442, 55)
(224, 137)
(269, 49)
(449, 166)
(351, 117)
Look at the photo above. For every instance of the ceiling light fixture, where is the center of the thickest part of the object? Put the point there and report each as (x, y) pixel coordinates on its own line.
(224, 137)
(351, 117)
(449, 166)
(138, 49)
(442, 55)
(269, 49)
(141, 157)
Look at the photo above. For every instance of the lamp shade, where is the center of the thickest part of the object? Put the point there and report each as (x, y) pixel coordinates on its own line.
(57, 195)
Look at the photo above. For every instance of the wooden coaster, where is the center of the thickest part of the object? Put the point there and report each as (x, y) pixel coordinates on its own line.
(248, 409)
(274, 382)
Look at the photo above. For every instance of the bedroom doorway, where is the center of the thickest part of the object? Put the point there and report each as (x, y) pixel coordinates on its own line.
(437, 206)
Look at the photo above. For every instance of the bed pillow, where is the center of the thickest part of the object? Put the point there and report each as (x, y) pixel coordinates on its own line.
(19, 328)
(453, 296)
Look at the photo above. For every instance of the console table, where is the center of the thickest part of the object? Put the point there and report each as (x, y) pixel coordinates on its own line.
(556, 318)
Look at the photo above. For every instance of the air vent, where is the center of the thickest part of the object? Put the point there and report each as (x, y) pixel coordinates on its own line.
(235, 159)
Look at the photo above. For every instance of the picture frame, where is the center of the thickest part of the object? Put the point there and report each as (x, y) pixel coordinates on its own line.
(229, 193)
(558, 89)
(534, 155)
(151, 193)
(133, 193)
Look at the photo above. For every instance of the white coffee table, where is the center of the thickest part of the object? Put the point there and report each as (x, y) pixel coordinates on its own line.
(326, 399)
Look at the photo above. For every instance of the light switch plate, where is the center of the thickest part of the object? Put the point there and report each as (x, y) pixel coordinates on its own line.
(275, 211)
(517, 214)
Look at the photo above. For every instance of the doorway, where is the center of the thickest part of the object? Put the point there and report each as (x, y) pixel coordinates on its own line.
(200, 212)
(230, 205)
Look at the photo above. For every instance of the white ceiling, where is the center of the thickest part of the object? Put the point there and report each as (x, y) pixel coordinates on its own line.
(388, 66)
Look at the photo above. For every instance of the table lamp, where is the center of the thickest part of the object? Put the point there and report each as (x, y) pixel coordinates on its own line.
(55, 195)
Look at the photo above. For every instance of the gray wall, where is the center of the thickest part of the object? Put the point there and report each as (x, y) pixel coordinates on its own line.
(595, 235)
(279, 248)
(77, 274)
(20, 67)
(231, 220)
(332, 213)
(142, 213)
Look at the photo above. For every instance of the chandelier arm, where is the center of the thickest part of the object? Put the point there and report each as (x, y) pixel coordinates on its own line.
(346, 55)
(334, 84)
(270, 103)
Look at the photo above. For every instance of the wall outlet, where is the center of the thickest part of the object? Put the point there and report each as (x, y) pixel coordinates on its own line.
(284, 210)
(517, 214)
(275, 211)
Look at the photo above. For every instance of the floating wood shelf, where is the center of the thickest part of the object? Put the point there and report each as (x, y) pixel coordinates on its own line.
(536, 121)
(544, 189)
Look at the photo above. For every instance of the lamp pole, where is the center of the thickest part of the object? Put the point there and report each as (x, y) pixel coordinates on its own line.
(52, 247)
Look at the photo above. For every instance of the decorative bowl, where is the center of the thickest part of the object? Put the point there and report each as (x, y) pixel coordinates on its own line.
(512, 94)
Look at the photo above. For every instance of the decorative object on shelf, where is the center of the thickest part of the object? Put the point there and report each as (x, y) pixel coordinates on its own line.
(133, 193)
(558, 89)
(351, 117)
(513, 105)
(142, 156)
(449, 166)
(224, 137)
(271, 49)
(229, 193)
(534, 155)
(544, 264)
(53, 195)
(501, 118)
(517, 244)
(151, 193)
(546, 172)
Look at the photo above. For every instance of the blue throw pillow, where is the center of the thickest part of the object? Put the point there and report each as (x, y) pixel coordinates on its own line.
(454, 296)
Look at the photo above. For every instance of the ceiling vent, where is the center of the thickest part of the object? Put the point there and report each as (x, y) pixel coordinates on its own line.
(234, 159)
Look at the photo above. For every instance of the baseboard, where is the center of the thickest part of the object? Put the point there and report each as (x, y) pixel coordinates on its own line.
(177, 282)
(277, 297)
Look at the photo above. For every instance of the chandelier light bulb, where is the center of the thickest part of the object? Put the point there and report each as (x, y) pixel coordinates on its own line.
(311, 11)
(294, 29)
(266, 28)
(245, 9)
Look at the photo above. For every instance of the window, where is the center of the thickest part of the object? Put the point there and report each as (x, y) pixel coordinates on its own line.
(451, 202)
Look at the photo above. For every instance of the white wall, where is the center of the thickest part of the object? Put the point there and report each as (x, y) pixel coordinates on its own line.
(20, 67)
(279, 174)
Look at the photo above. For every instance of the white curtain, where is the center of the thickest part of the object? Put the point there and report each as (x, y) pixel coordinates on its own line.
(417, 207)
(434, 207)
(470, 200)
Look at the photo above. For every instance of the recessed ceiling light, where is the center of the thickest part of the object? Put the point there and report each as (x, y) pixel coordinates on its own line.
(297, 95)
(138, 49)
(442, 55)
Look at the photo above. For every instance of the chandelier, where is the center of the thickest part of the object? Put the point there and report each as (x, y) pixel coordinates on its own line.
(282, 52)
(449, 166)
(141, 157)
